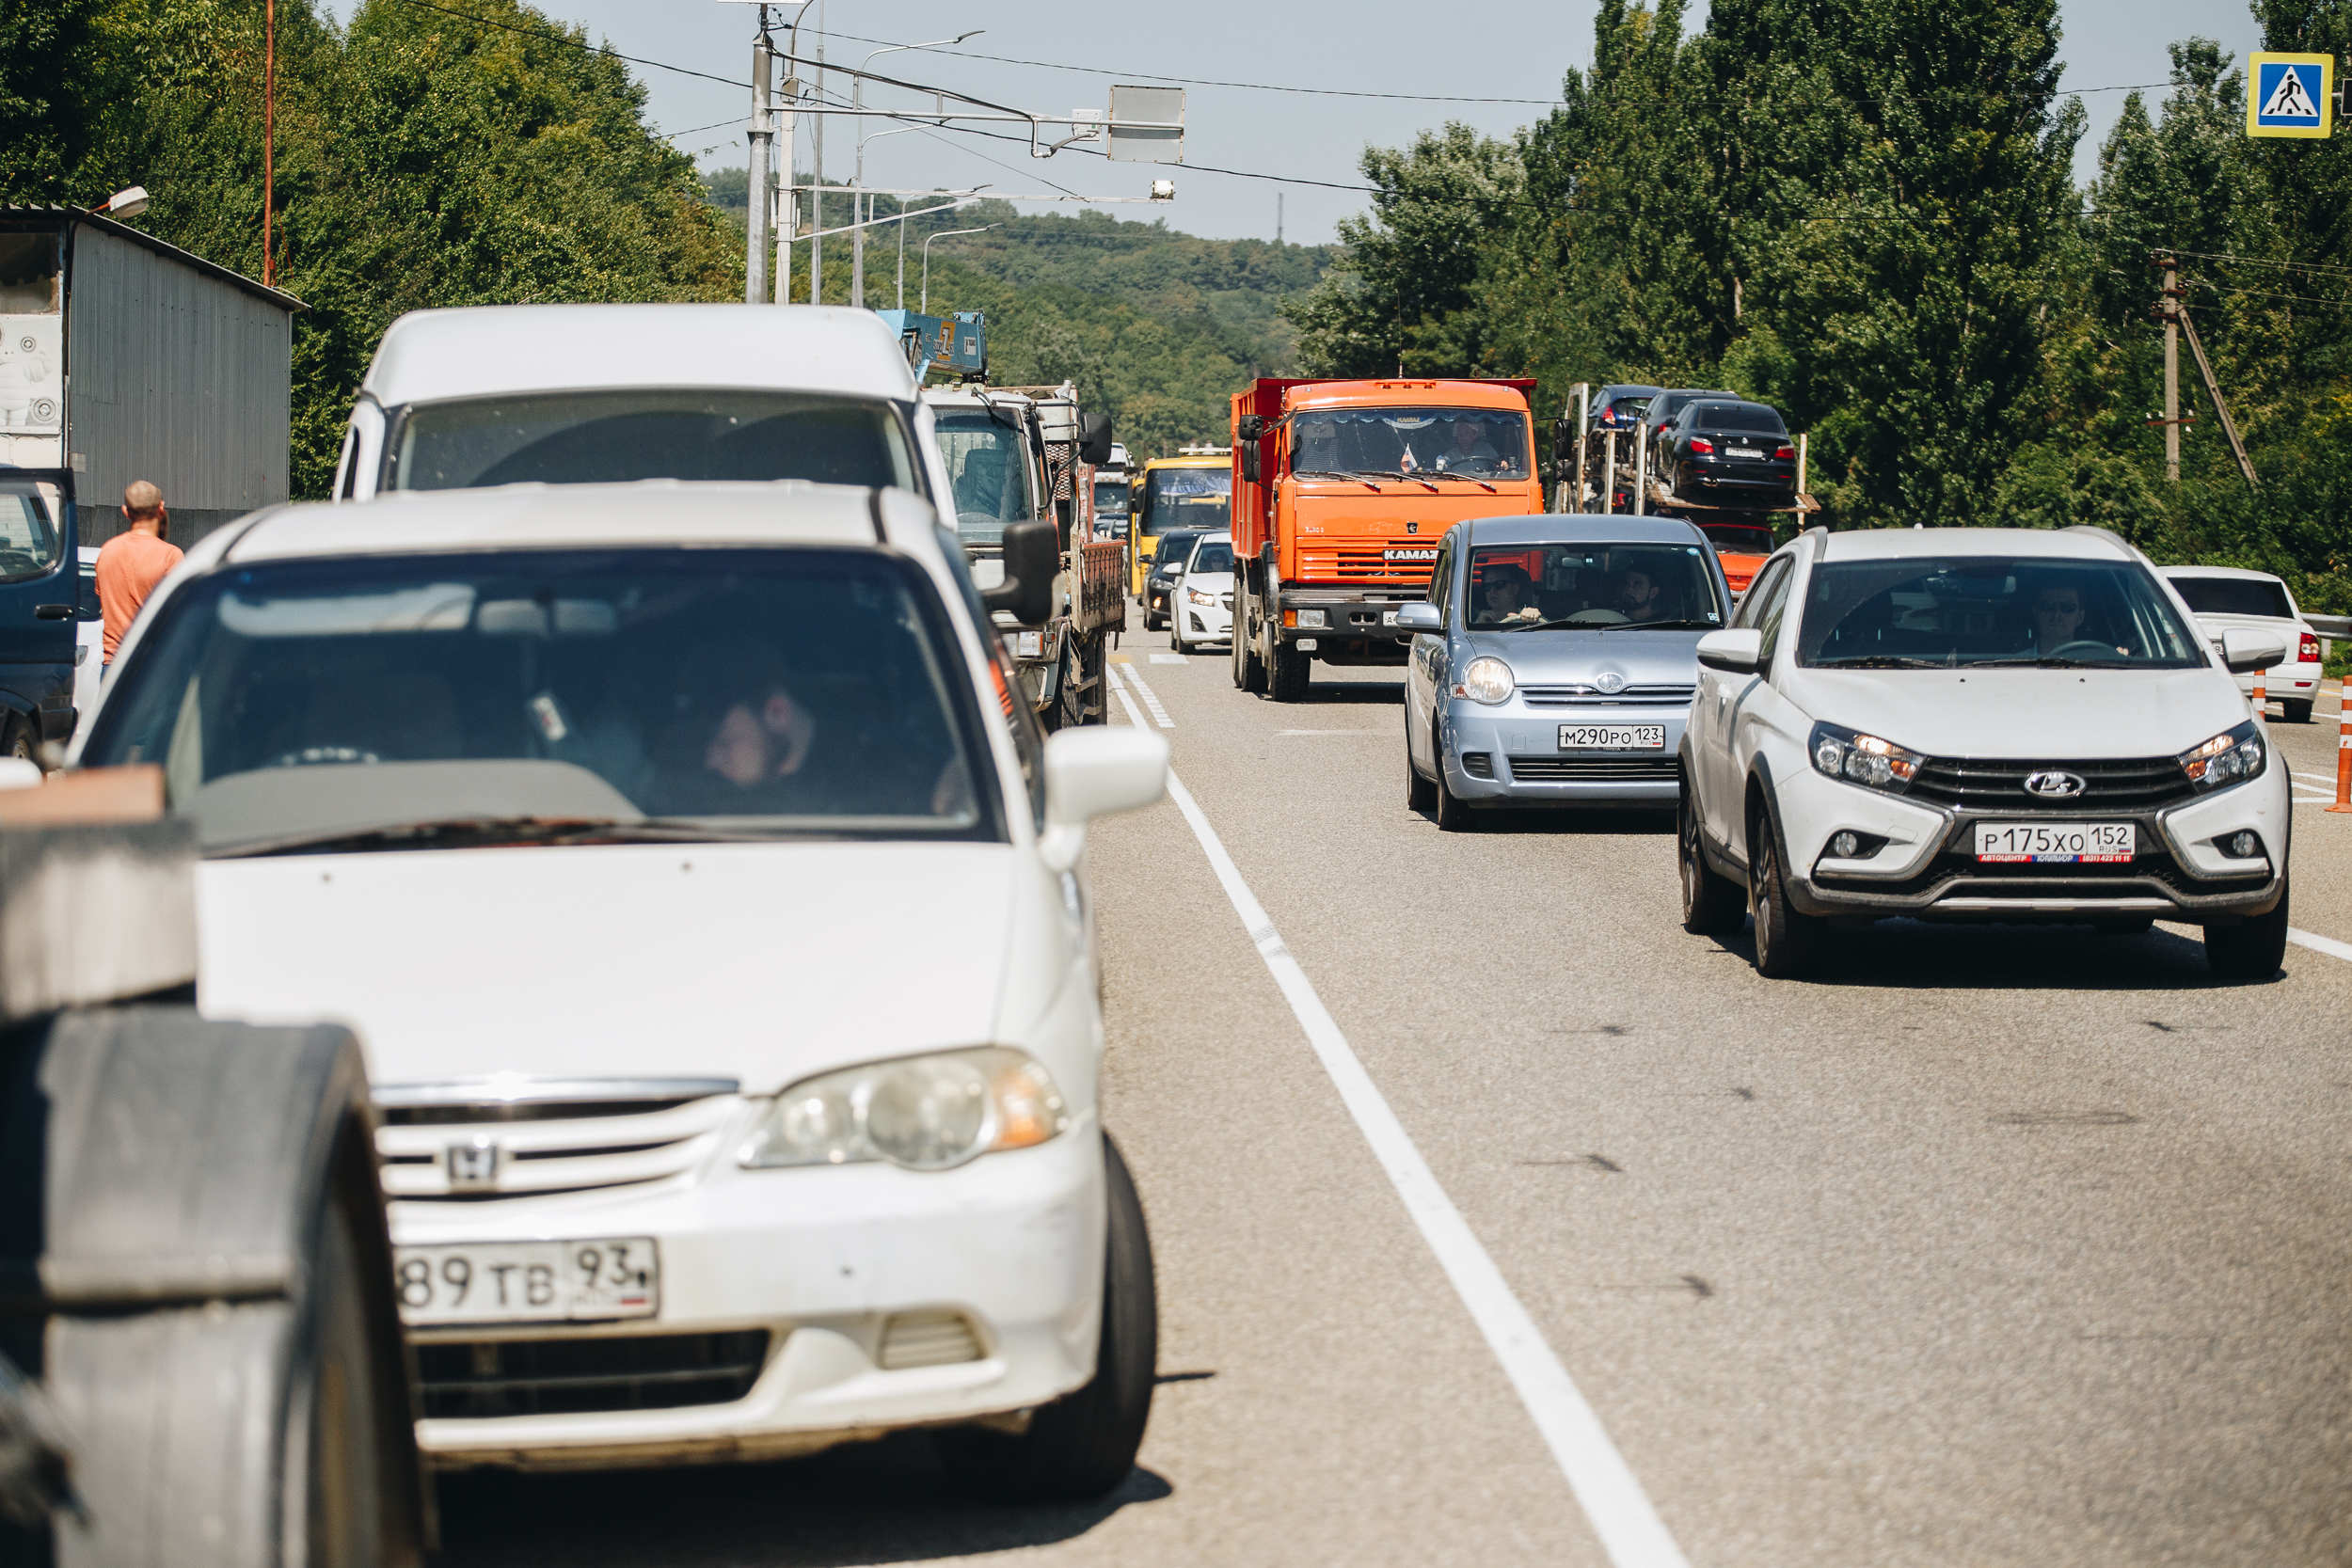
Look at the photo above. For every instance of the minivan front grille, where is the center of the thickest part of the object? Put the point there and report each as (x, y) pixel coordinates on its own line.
(1592, 696)
(1595, 769)
(2109, 784)
(478, 1379)
(501, 1138)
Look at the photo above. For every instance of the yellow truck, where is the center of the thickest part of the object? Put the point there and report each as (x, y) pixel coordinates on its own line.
(1192, 490)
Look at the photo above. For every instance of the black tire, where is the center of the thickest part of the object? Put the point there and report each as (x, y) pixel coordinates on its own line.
(1420, 793)
(2125, 925)
(1788, 946)
(1084, 1444)
(1453, 813)
(2295, 712)
(1712, 906)
(2252, 950)
(18, 740)
(345, 1502)
(1248, 663)
(1292, 671)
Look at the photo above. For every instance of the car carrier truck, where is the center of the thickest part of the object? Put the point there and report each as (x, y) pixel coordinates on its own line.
(1341, 490)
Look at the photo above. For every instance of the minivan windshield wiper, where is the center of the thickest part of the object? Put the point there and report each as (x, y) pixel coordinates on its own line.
(474, 832)
(1664, 626)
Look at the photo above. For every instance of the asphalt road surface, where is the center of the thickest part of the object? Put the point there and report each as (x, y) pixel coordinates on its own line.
(1499, 1221)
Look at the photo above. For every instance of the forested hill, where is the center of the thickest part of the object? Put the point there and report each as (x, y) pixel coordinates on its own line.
(1157, 327)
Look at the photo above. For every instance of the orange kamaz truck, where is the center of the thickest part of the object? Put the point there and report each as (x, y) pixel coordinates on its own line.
(1341, 490)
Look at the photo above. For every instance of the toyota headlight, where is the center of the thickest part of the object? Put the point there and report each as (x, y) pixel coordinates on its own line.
(1486, 680)
(925, 1112)
(2230, 757)
(1863, 759)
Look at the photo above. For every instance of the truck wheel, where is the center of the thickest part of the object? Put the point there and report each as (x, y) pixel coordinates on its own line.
(1248, 663)
(2252, 951)
(1293, 670)
(1083, 1444)
(17, 741)
(1712, 904)
(1788, 946)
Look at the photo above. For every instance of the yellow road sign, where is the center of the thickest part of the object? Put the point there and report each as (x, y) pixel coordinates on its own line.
(2290, 95)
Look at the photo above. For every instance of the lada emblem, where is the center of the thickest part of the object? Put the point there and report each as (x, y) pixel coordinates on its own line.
(473, 1166)
(2053, 784)
(1610, 683)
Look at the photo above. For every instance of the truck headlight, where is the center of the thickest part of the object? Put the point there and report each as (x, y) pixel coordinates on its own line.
(1863, 759)
(2229, 757)
(923, 1112)
(1487, 680)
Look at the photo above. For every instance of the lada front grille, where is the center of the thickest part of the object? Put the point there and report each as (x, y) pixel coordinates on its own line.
(1592, 696)
(1593, 770)
(2109, 784)
(495, 1139)
(479, 1379)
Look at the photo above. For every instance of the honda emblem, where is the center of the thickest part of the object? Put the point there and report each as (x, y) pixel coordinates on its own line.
(473, 1166)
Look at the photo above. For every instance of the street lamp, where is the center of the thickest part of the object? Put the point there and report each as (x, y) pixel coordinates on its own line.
(859, 286)
(942, 234)
(861, 207)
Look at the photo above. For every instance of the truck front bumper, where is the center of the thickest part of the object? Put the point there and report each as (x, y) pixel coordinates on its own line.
(1317, 614)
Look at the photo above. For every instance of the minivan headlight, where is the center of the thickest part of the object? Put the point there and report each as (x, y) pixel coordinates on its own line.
(1487, 680)
(2230, 757)
(1863, 759)
(923, 1112)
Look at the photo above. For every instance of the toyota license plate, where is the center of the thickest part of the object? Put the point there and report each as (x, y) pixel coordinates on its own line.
(2054, 843)
(505, 1282)
(1612, 738)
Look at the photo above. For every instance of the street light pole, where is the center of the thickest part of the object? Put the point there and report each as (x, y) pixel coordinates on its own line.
(789, 202)
(756, 188)
(817, 178)
(945, 233)
(862, 207)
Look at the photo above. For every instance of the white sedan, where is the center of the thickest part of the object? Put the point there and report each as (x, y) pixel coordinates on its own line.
(1200, 606)
(2015, 726)
(720, 940)
(2226, 599)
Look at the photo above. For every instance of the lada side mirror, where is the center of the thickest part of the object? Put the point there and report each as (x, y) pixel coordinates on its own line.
(1418, 616)
(2245, 652)
(1095, 438)
(1736, 651)
(1092, 772)
(1032, 556)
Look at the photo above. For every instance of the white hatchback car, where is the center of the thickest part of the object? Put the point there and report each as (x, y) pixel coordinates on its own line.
(1978, 725)
(718, 937)
(2225, 598)
(1201, 607)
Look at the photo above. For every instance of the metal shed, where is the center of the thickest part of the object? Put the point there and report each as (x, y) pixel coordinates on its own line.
(122, 357)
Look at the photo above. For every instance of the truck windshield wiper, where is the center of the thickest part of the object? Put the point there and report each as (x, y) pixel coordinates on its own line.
(1448, 473)
(479, 831)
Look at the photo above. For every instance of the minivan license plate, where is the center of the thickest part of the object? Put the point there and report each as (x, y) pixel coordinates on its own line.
(1612, 738)
(493, 1282)
(2054, 843)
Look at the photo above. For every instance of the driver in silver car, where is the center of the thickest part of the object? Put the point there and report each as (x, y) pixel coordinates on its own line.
(1506, 595)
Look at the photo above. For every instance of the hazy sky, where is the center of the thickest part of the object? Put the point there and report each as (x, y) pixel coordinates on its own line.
(1498, 49)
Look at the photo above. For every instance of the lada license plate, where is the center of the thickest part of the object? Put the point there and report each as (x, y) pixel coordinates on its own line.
(2054, 843)
(500, 1282)
(1612, 738)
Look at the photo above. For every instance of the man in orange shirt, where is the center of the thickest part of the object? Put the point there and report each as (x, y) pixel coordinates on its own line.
(130, 564)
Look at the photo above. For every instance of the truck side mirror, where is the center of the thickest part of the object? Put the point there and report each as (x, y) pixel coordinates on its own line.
(1095, 438)
(1249, 426)
(1032, 556)
(1249, 461)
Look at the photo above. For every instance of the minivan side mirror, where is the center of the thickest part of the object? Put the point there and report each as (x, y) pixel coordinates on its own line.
(2245, 652)
(1032, 556)
(1736, 651)
(1420, 615)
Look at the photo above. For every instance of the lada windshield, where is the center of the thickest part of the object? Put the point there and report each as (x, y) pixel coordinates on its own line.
(426, 701)
(1199, 499)
(988, 469)
(1484, 443)
(1594, 587)
(612, 437)
(1972, 611)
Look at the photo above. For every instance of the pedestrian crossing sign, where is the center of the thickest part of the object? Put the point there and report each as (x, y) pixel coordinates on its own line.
(2290, 95)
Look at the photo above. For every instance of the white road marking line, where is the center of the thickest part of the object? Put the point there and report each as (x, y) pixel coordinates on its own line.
(1610, 1495)
(2327, 779)
(1128, 702)
(1169, 658)
(2317, 943)
(1159, 714)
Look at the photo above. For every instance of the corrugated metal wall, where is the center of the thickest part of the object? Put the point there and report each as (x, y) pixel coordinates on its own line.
(176, 377)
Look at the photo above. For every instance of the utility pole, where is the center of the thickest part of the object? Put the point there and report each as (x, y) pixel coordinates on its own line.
(1277, 217)
(755, 190)
(269, 139)
(816, 180)
(2169, 306)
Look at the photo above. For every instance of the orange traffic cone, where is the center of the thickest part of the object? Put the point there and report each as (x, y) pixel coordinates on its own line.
(2344, 753)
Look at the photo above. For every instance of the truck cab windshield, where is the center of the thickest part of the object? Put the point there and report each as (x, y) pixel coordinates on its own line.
(988, 468)
(1200, 499)
(613, 437)
(1483, 443)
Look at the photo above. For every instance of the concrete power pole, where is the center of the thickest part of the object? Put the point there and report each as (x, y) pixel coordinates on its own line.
(756, 187)
(2169, 306)
(816, 180)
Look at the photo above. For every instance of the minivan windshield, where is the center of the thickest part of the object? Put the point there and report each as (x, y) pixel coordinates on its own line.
(988, 469)
(1977, 612)
(443, 701)
(1486, 443)
(1592, 587)
(613, 437)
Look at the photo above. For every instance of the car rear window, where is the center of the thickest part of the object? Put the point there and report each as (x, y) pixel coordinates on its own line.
(1738, 416)
(775, 692)
(2236, 597)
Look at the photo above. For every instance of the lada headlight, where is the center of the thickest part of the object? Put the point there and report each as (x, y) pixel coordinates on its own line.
(1487, 680)
(1863, 759)
(925, 1112)
(2230, 757)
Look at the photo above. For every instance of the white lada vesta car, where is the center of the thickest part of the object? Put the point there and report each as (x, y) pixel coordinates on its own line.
(719, 938)
(1978, 725)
